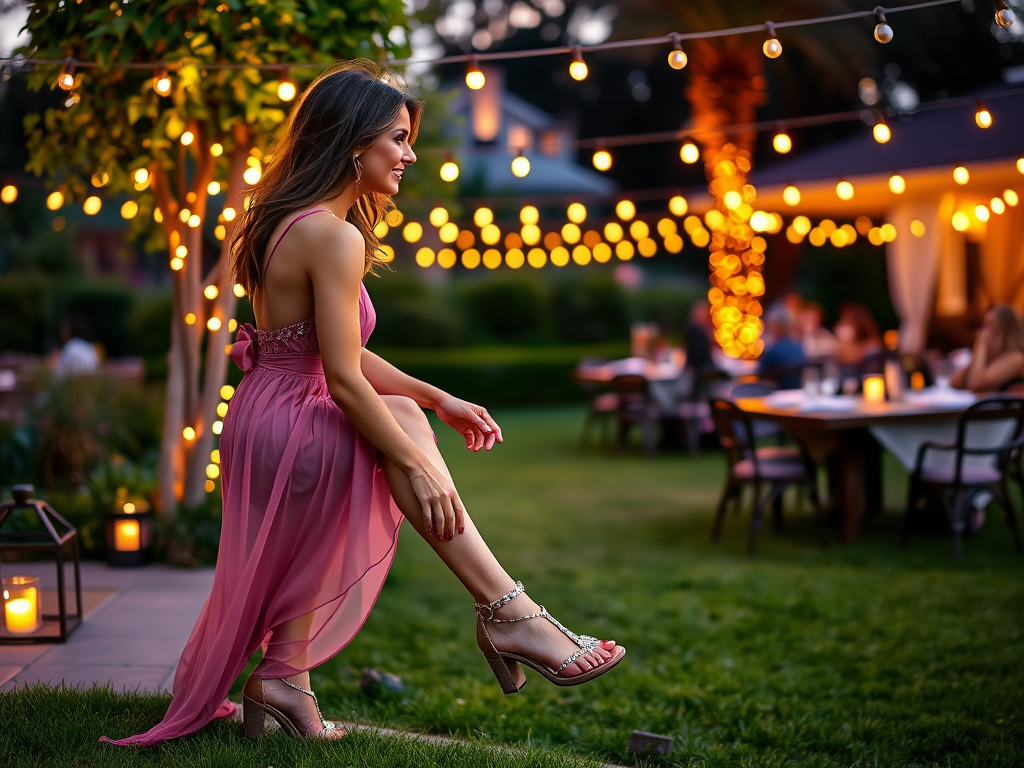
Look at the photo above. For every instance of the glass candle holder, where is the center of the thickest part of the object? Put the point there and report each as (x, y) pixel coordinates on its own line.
(874, 389)
(23, 611)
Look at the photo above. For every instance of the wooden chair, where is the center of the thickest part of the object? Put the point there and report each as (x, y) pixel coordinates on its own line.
(603, 406)
(958, 484)
(692, 410)
(762, 468)
(635, 406)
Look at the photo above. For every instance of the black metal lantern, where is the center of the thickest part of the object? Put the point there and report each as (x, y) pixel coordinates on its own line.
(129, 532)
(24, 620)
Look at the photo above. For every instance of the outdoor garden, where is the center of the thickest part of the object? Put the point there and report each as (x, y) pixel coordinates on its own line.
(616, 212)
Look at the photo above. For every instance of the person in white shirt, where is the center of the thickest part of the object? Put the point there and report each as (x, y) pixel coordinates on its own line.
(78, 356)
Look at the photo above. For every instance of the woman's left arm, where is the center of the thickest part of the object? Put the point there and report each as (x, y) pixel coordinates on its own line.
(471, 421)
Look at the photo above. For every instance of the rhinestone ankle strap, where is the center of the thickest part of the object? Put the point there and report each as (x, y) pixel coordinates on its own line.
(486, 610)
(327, 726)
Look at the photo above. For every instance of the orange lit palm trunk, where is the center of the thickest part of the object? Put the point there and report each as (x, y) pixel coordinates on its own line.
(726, 87)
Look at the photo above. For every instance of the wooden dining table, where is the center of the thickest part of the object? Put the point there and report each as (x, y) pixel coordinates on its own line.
(843, 440)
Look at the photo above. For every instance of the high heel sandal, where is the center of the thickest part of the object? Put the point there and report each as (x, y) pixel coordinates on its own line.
(505, 664)
(259, 715)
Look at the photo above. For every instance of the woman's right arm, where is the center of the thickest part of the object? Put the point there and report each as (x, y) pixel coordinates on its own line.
(335, 267)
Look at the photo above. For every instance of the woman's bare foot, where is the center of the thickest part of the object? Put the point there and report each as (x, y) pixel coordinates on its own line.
(542, 640)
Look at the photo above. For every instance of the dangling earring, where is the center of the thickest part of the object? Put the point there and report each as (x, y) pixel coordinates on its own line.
(359, 172)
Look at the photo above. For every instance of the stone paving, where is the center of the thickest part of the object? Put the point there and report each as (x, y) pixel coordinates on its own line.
(131, 640)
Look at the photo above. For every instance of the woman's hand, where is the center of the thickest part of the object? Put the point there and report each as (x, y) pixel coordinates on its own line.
(471, 421)
(443, 512)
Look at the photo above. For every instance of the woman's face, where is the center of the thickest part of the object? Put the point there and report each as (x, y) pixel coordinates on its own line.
(384, 161)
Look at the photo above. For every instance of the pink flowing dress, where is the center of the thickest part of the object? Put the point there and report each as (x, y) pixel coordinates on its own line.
(309, 528)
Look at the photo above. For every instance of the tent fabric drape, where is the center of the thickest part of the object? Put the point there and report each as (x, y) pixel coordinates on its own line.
(1002, 259)
(912, 263)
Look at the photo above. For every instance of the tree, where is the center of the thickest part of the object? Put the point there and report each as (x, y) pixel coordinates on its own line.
(175, 153)
(726, 87)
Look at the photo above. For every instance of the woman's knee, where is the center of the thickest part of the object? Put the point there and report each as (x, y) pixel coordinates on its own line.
(405, 410)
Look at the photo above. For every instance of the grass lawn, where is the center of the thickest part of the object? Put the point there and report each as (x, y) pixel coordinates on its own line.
(858, 655)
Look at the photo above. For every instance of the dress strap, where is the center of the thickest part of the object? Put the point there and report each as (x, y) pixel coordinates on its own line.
(297, 218)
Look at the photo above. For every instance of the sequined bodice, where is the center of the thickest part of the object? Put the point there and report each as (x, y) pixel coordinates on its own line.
(297, 339)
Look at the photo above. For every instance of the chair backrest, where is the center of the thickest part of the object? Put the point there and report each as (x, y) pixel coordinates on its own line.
(735, 431)
(746, 386)
(1005, 408)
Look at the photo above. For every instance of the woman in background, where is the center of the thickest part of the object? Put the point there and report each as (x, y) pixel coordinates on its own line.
(998, 356)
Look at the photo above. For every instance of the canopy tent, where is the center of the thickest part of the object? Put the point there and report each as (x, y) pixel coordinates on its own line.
(928, 271)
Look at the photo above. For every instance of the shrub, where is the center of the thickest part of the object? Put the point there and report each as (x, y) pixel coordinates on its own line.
(412, 314)
(513, 308)
(590, 309)
(106, 307)
(26, 299)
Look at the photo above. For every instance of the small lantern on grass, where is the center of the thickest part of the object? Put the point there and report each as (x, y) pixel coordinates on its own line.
(43, 532)
(129, 531)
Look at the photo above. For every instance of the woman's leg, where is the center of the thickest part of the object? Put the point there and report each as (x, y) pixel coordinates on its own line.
(469, 558)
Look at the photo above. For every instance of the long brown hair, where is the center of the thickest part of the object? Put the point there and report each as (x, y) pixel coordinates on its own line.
(1010, 327)
(342, 113)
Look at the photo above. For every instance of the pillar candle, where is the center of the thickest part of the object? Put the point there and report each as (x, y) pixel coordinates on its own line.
(126, 536)
(874, 389)
(21, 608)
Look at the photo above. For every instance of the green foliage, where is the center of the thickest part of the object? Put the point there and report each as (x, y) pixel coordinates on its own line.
(591, 309)
(192, 537)
(26, 301)
(510, 308)
(415, 315)
(120, 124)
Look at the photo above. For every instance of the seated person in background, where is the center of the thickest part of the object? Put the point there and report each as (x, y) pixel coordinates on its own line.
(78, 356)
(998, 357)
(857, 336)
(819, 343)
(698, 336)
(783, 359)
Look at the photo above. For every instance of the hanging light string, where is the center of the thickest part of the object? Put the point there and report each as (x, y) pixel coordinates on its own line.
(672, 38)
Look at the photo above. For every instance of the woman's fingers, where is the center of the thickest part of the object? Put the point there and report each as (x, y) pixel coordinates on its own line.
(460, 515)
(449, 516)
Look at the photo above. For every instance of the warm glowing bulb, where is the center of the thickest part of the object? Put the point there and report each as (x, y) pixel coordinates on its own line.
(1011, 197)
(187, 138)
(897, 184)
(412, 232)
(625, 210)
(844, 190)
(194, 221)
(286, 90)
(689, 153)
(214, 323)
(997, 205)
(188, 433)
(772, 48)
(677, 59)
(529, 215)
(917, 228)
(177, 264)
(883, 32)
(55, 200)
(66, 79)
(983, 117)
(92, 205)
(9, 194)
(438, 216)
(141, 176)
(732, 199)
(678, 206)
(252, 175)
(961, 221)
(602, 160)
(961, 175)
(782, 143)
(216, 150)
(881, 132)
(213, 188)
(129, 209)
(449, 171)
(211, 292)
(229, 213)
(227, 392)
(577, 213)
(520, 166)
(578, 69)
(483, 216)
(162, 83)
(1004, 17)
(475, 78)
(791, 195)
(981, 212)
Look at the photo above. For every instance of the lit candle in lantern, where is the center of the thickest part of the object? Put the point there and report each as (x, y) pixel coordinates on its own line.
(874, 389)
(126, 536)
(21, 605)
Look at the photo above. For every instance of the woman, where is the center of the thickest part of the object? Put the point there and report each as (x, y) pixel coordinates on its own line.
(859, 344)
(326, 448)
(998, 357)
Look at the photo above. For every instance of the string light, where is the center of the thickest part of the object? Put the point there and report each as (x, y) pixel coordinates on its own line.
(529, 215)
(475, 78)
(625, 210)
(883, 32)
(961, 175)
(216, 149)
(844, 190)
(982, 116)
(520, 165)
(678, 206)
(602, 160)
(782, 143)
(1011, 198)
(676, 57)
(66, 78)
(449, 169)
(577, 213)
(162, 82)
(252, 175)
(997, 205)
(187, 138)
(9, 194)
(189, 433)
(412, 232)
(141, 176)
(286, 89)
(689, 153)
(211, 292)
(181, 251)
(897, 184)
(55, 200)
(229, 213)
(1020, 164)
(92, 205)
(578, 68)
(981, 212)
(881, 130)
(483, 216)
(438, 216)
(772, 47)
(177, 264)
(791, 195)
